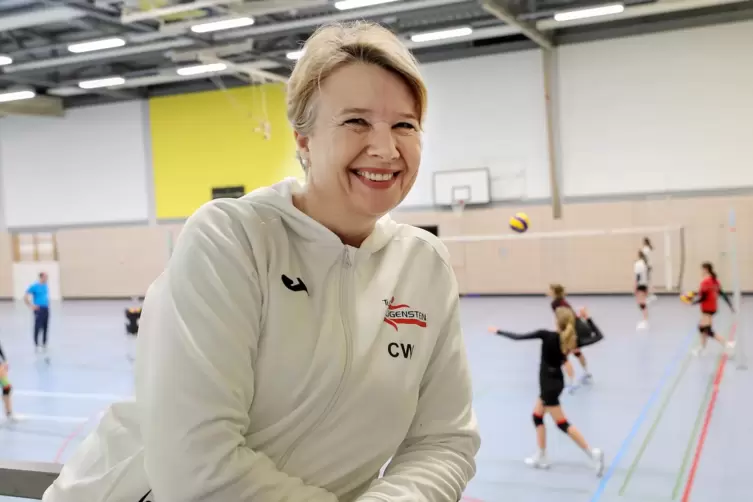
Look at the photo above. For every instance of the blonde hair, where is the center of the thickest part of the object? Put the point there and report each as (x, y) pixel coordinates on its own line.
(335, 45)
(566, 328)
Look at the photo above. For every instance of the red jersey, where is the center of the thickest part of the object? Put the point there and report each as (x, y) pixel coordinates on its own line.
(709, 293)
(561, 302)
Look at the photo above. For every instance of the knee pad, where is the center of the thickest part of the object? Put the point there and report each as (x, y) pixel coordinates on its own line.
(564, 426)
(642, 306)
(6, 390)
(705, 330)
(538, 420)
(577, 353)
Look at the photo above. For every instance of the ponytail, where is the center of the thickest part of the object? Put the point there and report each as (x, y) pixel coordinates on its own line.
(710, 269)
(558, 290)
(566, 329)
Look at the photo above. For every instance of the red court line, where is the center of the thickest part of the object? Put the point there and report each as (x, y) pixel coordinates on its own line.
(73, 435)
(706, 421)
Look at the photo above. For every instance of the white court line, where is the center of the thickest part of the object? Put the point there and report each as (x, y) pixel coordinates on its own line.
(52, 418)
(71, 395)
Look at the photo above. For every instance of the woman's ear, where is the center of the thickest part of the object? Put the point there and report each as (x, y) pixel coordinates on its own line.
(302, 143)
(302, 147)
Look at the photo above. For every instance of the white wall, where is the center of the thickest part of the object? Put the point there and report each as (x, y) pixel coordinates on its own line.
(26, 274)
(486, 111)
(662, 112)
(89, 167)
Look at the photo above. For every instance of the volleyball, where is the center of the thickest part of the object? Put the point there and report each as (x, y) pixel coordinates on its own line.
(688, 297)
(519, 223)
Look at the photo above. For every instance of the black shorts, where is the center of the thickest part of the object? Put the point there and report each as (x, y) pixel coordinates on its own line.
(552, 384)
(642, 288)
(709, 312)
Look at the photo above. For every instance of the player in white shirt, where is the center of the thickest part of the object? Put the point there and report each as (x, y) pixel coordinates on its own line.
(640, 272)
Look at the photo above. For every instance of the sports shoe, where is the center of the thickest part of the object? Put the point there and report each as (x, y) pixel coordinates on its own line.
(598, 459)
(538, 461)
(642, 325)
(587, 379)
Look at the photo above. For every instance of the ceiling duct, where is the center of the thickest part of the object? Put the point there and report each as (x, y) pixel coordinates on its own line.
(39, 106)
(27, 18)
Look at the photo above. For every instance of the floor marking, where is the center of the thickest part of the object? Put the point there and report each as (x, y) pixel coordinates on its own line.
(693, 435)
(707, 420)
(71, 395)
(51, 418)
(70, 437)
(654, 425)
(683, 350)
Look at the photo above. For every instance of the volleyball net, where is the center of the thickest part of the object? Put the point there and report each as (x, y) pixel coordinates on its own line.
(592, 261)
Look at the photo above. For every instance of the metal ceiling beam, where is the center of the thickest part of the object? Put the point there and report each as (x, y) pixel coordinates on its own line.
(113, 54)
(501, 11)
(313, 22)
(36, 15)
(245, 69)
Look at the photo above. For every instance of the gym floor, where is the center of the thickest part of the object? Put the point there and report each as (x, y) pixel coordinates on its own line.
(647, 407)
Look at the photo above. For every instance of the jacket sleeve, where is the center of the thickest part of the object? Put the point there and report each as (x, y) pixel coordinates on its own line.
(533, 335)
(436, 461)
(195, 375)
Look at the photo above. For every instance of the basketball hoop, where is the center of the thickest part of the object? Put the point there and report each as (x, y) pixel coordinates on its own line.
(458, 206)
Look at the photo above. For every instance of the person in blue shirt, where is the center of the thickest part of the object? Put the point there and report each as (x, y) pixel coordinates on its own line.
(38, 299)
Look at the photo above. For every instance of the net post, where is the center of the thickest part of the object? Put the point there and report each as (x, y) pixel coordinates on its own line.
(741, 361)
(668, 261)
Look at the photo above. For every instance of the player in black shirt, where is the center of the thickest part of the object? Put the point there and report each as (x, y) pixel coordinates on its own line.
(555, 347)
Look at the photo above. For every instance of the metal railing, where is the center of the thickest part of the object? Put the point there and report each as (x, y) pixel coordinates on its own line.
(27, 480)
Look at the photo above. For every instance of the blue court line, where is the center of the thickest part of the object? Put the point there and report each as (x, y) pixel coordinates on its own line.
(668, 371)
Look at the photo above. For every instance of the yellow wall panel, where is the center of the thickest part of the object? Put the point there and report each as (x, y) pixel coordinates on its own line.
(208, 139)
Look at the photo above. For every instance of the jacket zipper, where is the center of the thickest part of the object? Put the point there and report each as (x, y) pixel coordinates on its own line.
(344, 313)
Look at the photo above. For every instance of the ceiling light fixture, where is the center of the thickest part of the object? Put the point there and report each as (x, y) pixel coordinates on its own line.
(101, 82)
(5, 60)
(225, 24)
(6, 97)
(441, 35)
(96, 45)
(603, 10)
(198, 70)
(357, 4)
(295, 55)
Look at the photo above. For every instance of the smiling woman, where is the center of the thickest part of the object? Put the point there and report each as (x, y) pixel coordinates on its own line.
(300, 339)
(357, 116)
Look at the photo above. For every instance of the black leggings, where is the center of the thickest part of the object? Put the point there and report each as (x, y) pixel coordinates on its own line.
(551, 385)
(41, 322)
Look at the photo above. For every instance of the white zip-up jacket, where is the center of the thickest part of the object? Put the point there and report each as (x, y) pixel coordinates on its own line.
(277, 364)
